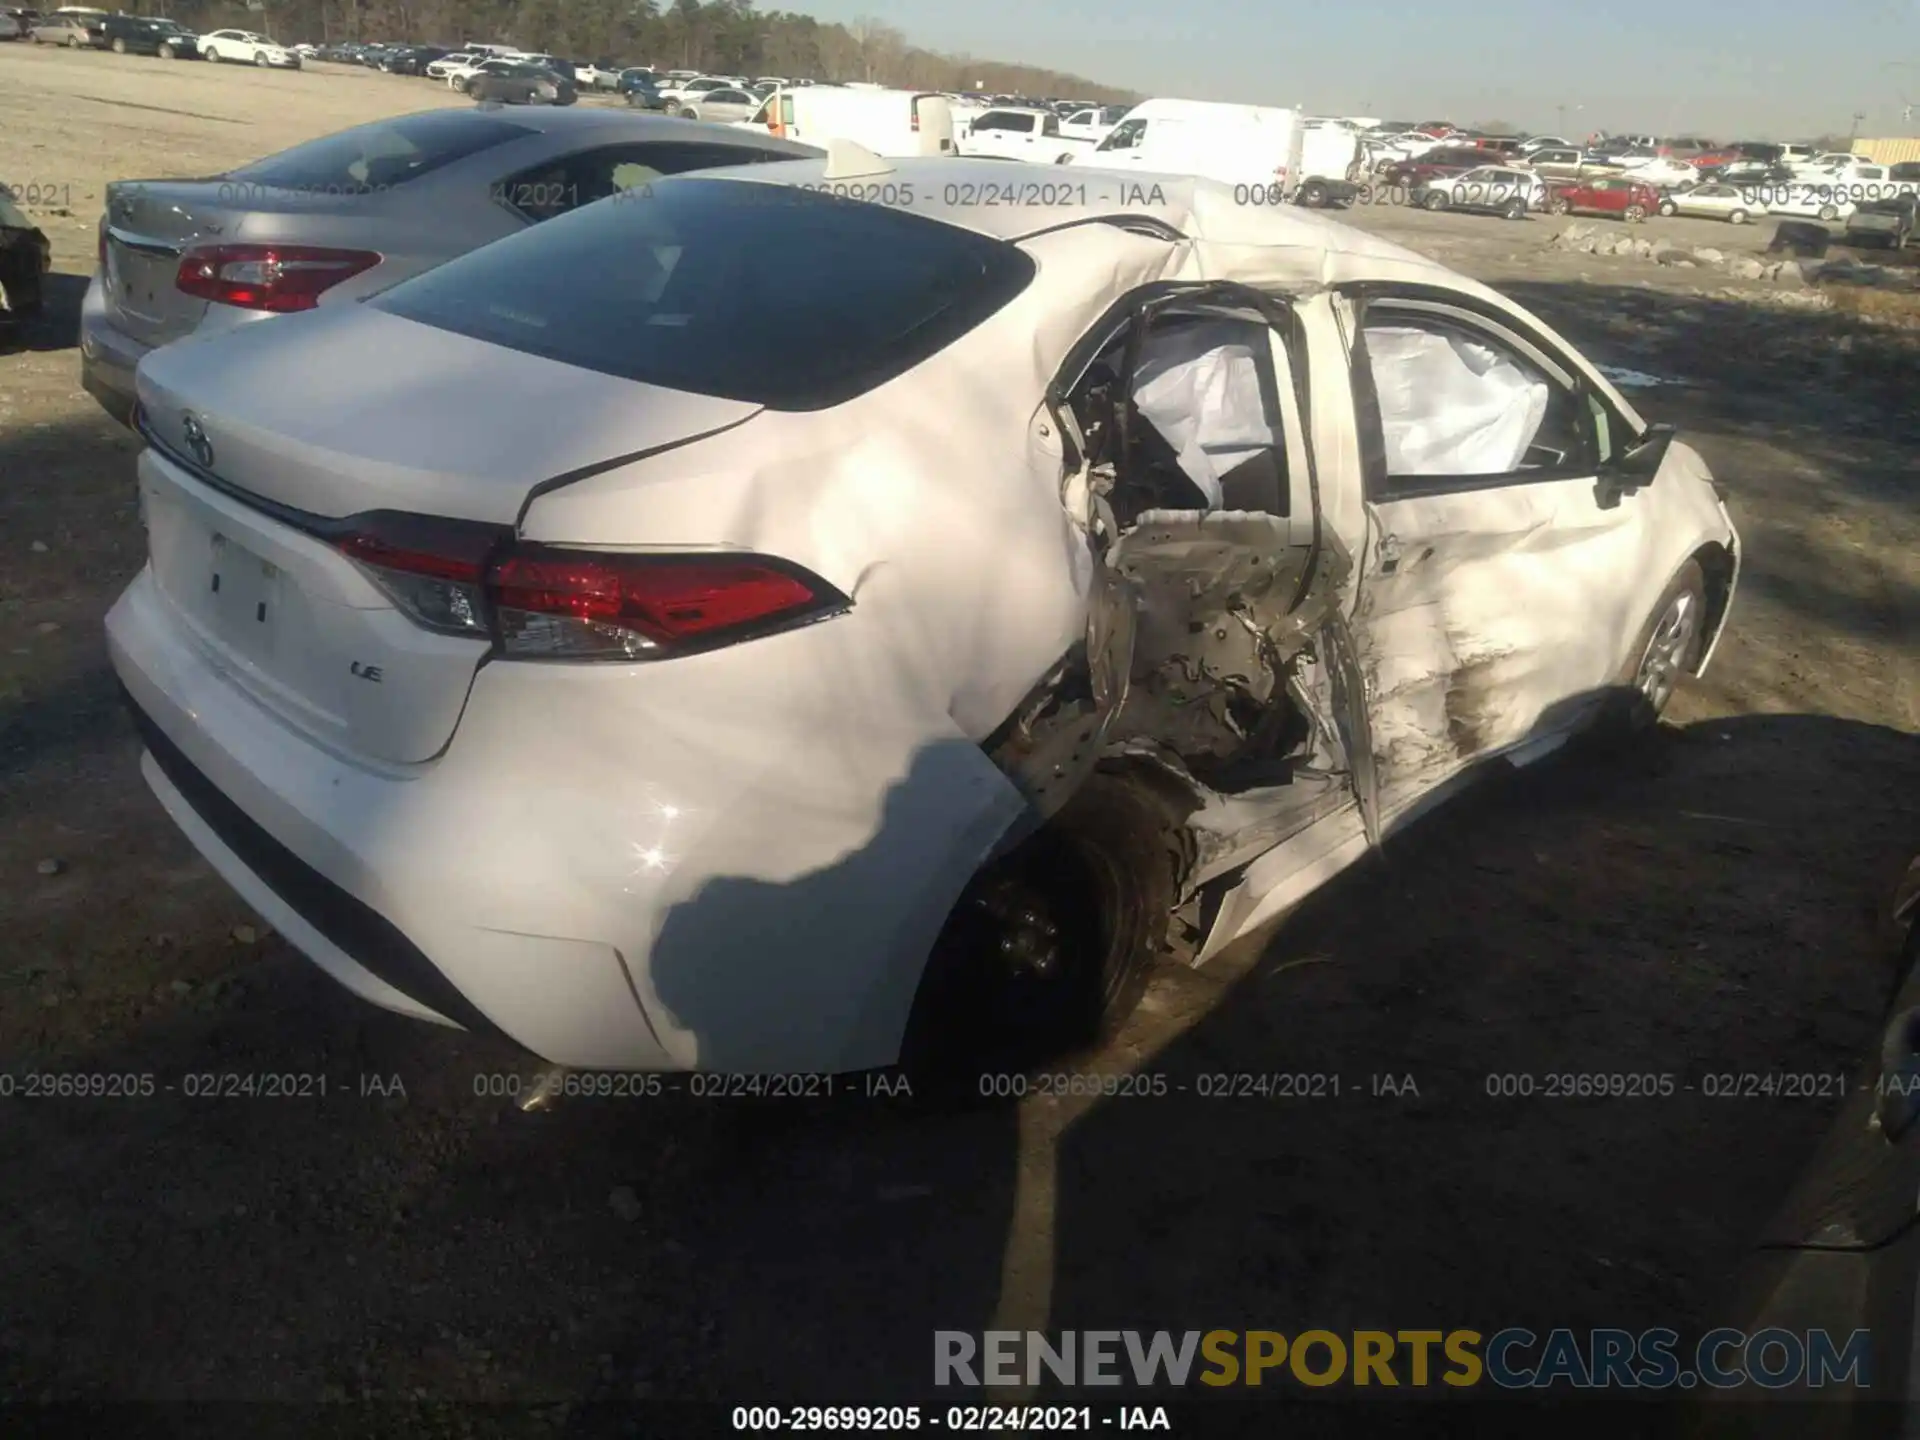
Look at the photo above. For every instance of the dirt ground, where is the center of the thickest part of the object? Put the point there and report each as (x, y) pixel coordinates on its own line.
(1704, 905)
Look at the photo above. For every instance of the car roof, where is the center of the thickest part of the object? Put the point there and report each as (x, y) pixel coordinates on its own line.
(1201, 210)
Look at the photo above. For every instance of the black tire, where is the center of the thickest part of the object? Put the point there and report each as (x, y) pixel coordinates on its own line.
(1829, 212)
(213, 57)
(1635, 214)
(119, 47)
(1091, 892)
(1313, 195)
(1515, 210)
(687, 112)
(167, 52)
(1737, 217)
(1669, 209)
(259, 59)
(1560, 206)
(1434, 200)
(1636, 711)
(73, 42)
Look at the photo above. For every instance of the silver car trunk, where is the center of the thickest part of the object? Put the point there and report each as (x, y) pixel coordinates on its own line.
(151, 223)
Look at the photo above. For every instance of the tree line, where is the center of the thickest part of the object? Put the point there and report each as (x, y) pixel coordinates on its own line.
(726, 36)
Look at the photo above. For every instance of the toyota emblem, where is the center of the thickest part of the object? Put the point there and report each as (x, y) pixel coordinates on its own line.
(196, 437)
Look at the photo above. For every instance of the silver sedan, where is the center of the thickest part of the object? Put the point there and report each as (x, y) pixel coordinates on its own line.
(723, 106)
(352, 213)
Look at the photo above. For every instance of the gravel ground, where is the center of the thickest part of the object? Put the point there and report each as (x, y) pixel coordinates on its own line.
(1705, 905)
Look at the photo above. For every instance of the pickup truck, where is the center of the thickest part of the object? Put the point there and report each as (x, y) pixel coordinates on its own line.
(1015, 133)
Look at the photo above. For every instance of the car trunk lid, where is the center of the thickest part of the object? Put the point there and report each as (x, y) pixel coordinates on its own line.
(149, 224)
(275, 442)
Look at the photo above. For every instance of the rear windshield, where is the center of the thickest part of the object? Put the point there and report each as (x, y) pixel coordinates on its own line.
(793, 299)
(383, 154)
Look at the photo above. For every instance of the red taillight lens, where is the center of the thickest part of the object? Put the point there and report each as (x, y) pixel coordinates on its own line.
(573, 604)
(276, 278)
(545, 602)
(914, 124)
(431, 569)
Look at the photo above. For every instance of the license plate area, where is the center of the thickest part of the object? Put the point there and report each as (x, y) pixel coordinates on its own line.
(244, 594)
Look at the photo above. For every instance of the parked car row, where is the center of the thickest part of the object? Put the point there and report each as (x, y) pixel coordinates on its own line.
(87, 29)
(876, 753)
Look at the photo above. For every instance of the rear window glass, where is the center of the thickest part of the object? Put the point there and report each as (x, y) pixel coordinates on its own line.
(383, 154)
(789, 298)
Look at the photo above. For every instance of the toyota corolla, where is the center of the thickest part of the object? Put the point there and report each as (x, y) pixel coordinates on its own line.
(801, 618)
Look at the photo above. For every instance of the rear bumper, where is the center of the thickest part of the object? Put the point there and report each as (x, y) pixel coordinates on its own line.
(701, 876)
(107, 357)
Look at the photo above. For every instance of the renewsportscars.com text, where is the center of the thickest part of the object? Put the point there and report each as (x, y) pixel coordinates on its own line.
(1510, 1359)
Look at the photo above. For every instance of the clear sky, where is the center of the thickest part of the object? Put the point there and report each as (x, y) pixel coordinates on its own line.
(1731, 69)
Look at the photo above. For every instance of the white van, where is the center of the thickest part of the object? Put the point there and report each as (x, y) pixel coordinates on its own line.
(1241, 145)
(890, 123)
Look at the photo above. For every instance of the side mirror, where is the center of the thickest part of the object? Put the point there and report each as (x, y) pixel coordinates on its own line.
(1634, 468)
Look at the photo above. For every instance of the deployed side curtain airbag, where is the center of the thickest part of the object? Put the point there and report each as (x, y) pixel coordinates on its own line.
(1199, 386)
(1452, 406)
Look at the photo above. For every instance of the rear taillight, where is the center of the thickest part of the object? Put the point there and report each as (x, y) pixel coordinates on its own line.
(275, 278)
(914, 122)
(547, 602)
(561, 604)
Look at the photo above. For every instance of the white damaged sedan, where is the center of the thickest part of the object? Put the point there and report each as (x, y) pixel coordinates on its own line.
(804, 617)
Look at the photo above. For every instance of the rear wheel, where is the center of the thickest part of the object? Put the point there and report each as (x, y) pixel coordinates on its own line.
(1435, 200)
(687, 112)
(1636, 213)
(1829, 212)
(1559, 206)
(1049, 947)
(1668, 208)
(260, 59)
(73, 42)
(1738, 217)
(1515, 209)
(1314, 195)
(167, 52)
(213, 56)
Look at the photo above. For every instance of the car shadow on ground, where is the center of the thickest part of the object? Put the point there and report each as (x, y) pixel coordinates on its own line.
(1664, 914)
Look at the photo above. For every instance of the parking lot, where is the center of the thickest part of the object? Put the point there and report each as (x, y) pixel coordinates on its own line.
(1705, 905)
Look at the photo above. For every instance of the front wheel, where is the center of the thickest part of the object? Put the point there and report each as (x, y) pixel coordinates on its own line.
(119, 47)
(1636, 213)
(1669, 209)
(1560, 207)
(73, 42)
(1313, 196)
(260, 60)
(213, 56)
(1669, 647)
(687, 112)
(1515, 210)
